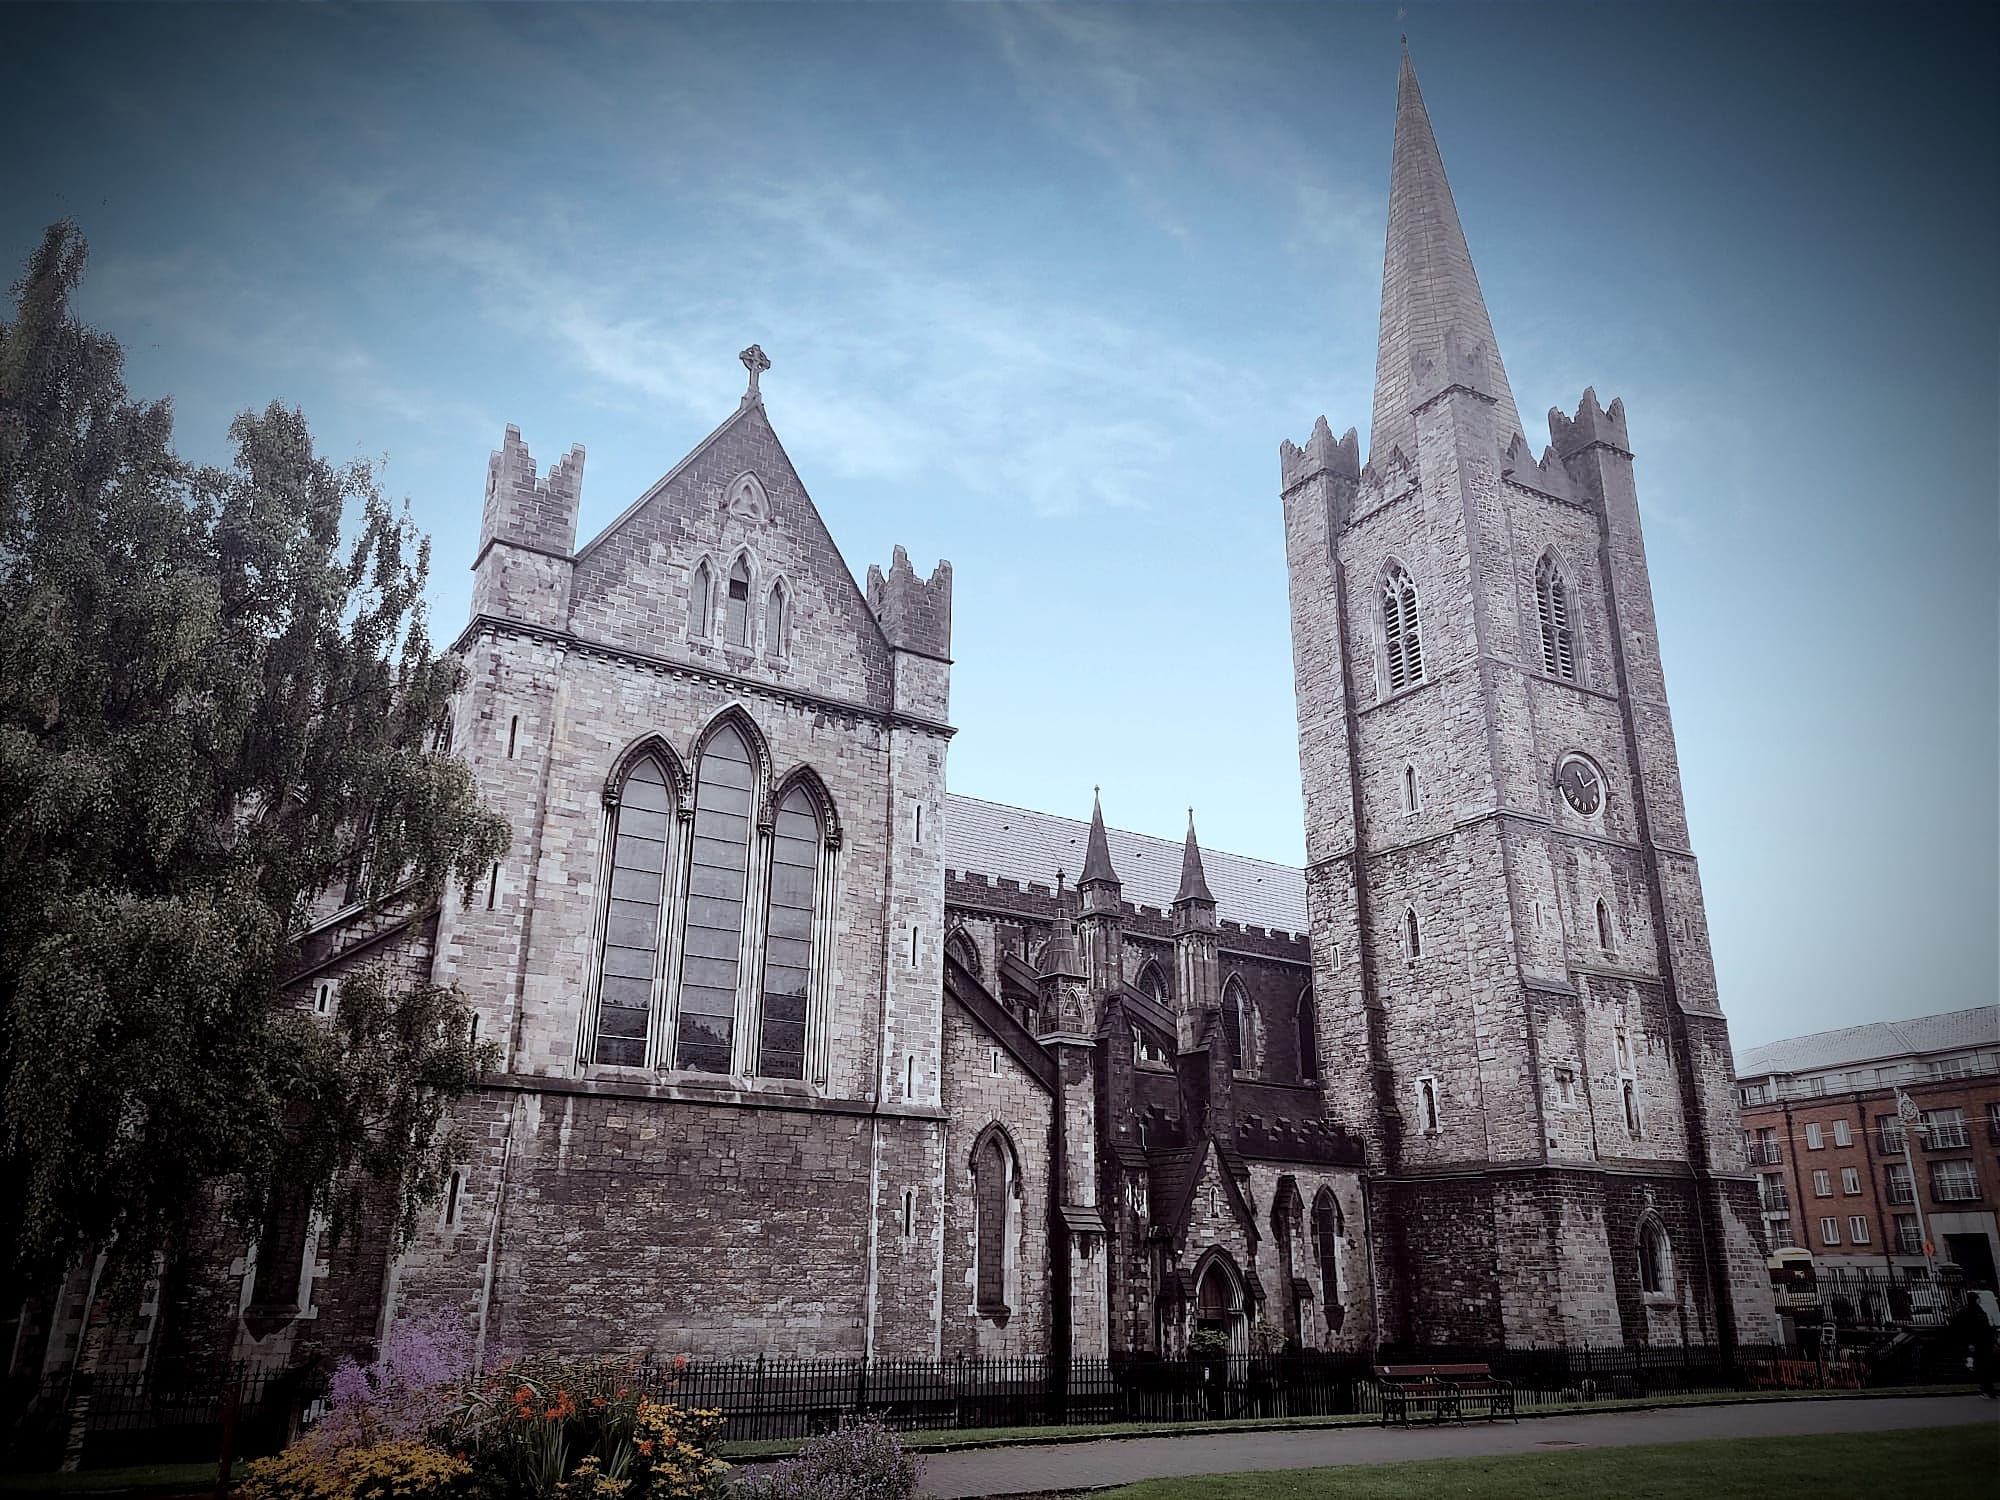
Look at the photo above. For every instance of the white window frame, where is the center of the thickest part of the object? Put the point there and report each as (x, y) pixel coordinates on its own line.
(1829, 1231)
(1822, 1181)
(1814, 1141)
(1843, 1134)
(1850, 1182)
(1857, 1229)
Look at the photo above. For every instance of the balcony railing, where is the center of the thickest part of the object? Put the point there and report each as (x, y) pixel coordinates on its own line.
(1908, 1241)
(1902, 1192)
(1889, 1142)
(1776, 1201)
(1955, 1190)
(1765, 1153)
(1944, 1137)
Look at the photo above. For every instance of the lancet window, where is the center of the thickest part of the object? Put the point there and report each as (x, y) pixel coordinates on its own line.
(640, 829)
(1326, 1244)
(701, 594)
(1399, 630)
(736, 607)
(1552, 604)
(795, 850)
(1232, 1022)
(718, 869)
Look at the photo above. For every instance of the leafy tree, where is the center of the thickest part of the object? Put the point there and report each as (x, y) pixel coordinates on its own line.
(213, 711)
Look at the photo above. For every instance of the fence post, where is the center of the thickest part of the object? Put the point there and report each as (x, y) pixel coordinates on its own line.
(232, 1401)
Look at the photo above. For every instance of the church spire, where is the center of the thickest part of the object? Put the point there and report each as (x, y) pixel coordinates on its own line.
(1194, 885)
(1429, 288)
(1097, 853)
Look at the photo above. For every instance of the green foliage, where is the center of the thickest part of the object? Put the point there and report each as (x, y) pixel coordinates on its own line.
(212, 711)
(1207, 1343)
(403, 1469)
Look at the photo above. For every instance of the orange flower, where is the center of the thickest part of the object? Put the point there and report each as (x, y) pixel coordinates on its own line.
(680, 1361)
(646, 1447)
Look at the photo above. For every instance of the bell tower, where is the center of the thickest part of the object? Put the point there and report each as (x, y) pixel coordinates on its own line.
(1518, 1011)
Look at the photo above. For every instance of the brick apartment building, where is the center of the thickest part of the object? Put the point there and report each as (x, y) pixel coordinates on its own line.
(1839, 1177)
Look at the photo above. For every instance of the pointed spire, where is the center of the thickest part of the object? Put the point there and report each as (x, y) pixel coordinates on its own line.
(1429, 288)
(1194, 885)
(1097, 854)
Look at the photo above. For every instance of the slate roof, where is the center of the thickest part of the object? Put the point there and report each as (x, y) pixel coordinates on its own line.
(1015, 843)
(1877, 1041)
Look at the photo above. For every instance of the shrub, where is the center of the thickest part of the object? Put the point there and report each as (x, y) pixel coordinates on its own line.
(397, 1470)
(862, 1462)
(405, 1393)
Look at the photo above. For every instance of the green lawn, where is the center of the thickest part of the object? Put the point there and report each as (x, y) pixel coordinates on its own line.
(149, 1479)
(1934, 1463)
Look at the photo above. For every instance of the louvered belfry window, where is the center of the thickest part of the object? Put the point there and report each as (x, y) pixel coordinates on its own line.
(1558, 638)
(781, 1044)
(717, 875)
(736, 608)
(1399, 630)
(639, 843)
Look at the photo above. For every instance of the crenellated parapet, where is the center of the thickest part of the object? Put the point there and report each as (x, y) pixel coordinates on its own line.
(915, 613)
(1339, 459)
(1547, 477)
(1458, 364)
(1593, 426)
(528, 508)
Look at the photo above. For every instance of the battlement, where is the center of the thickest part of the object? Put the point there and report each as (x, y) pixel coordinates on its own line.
(1548, 477)
(1593, 426)
(915, 614)
(1321, 454)
(524, 506)
(1457, 366)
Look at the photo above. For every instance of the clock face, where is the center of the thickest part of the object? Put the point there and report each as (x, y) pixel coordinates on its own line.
(1582, 787)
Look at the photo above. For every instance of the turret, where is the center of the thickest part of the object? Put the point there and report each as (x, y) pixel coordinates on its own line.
(527, 533)
(1061, 972)
(1198, 987)
(915, 616)
(1103, 924)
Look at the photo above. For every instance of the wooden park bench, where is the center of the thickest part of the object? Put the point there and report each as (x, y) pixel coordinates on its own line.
(1448, 1393)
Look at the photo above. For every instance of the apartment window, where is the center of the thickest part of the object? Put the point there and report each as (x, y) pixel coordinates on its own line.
(1850, 1181)
(1993, 1121)
(1889, 1135)
(1909, 1238)
(1767, 1150)
(1857, 1229)
(1829, 1231)
(1842, 1136)
(1780, 1232)
(1754, 1093)
(1822, 1184)
(1775, 1200)
(1814, 1142)
(1902, 1188)
(1950, 1067)
(1943, 1130)
(1954, 1182)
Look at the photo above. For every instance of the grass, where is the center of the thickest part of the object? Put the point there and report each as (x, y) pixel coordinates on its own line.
(1936, 1463)
(149, 1479)
(1007, 1437)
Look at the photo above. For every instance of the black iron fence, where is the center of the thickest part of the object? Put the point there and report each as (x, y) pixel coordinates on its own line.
(124, 1420)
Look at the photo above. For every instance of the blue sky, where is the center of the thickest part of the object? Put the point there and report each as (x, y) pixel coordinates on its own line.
(1044, 288)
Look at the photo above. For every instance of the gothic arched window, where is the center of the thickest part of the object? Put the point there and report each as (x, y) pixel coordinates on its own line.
(1308, 1036)
(1656, 1260)
(788, 934)
(736, 608)
(1427, 1097)
(777, 621)
(1409, 789)
(961, 947)
(992, 1192)
(1326, 1245)
(641, 828)
(1552, 605)
(1399, 630)
(1413, 938)
(1152, 983)
(1631, 1110)
(1603, 926)
(1232, 1021)
(701, 594)
(718, 869)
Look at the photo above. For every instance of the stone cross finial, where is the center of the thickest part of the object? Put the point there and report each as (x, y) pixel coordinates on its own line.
(756, 362)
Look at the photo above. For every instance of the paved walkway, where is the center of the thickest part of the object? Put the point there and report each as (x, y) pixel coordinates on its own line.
(1082, 1466)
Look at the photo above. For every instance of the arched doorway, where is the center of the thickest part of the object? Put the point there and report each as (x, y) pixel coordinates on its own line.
(1218, 1303)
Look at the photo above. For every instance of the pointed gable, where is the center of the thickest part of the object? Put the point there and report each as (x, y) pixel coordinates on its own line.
(736, 504)
(1429, 289)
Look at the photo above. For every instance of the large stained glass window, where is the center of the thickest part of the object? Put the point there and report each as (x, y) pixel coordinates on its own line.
(781, 1046)
(717, 876)
(639, 841)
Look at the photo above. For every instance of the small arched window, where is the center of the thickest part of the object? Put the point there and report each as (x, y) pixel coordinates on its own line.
(777, 621)
(1232, 1021)
(1326, 1247)
(1631, 1111)
(1603, 925)
(1428, 1097)
(1152, 983)
(701, 594)
(1656, 1260)
(1409, 789)
(961, 947)
(992, 1191)
(795, 846)
(718, 871)
(633, 923)
(736, 608)
(1399, 630)
(1308, 1036)
(1552, 604)
(1413, 937)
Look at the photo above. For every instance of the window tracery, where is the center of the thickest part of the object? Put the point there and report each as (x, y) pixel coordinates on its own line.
(1552, 607)
(1400, 633)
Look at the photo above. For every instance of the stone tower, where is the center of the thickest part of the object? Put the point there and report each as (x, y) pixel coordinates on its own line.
(1517, 1006)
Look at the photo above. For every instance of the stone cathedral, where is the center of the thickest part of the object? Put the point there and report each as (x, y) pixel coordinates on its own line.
(803, 1053)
